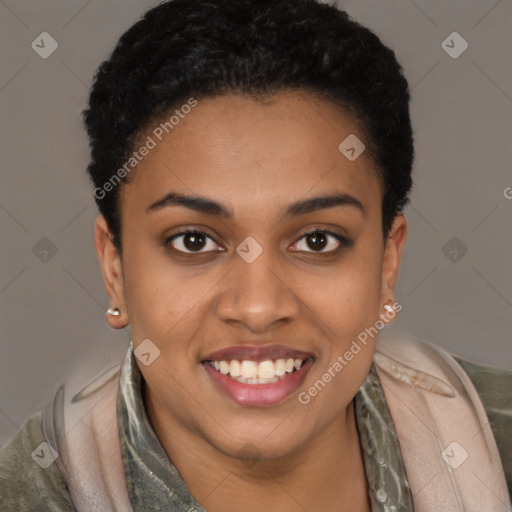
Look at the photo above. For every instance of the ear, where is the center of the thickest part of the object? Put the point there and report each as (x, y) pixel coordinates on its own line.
(391, 263)
(112, 270)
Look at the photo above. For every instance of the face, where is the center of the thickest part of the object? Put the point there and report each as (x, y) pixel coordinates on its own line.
(269, 272)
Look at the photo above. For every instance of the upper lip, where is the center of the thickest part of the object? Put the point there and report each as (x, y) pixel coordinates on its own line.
(257, 353)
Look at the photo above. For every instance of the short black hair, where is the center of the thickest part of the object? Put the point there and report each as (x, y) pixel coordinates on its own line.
(206, 48)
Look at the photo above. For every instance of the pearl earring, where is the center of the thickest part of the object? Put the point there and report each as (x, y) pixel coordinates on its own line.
(114, 311)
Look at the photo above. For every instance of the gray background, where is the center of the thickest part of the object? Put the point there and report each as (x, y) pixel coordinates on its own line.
(53, 305)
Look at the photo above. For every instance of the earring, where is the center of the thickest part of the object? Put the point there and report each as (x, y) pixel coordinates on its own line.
(114, 311)
(390, 312)
(115, 317)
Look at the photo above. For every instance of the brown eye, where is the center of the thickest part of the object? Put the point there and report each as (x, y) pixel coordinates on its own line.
(192, 242)
(318, 240)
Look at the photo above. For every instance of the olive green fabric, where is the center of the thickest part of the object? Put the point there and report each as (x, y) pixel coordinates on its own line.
(494, 387)
(24, 484)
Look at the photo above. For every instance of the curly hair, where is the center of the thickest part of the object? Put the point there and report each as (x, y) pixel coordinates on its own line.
(206, 48)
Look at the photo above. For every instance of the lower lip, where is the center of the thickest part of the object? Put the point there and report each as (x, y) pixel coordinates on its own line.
(259, 395)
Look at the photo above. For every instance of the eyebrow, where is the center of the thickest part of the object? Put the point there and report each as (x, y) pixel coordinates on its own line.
(210, 207)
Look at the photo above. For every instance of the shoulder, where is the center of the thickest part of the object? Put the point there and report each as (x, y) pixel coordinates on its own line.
(490, 386)
(26, 484)
(494, 387)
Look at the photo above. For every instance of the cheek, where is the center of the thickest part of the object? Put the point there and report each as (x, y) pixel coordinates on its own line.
(349, 299)
(349, 306)
(165, 303)
(150, 292)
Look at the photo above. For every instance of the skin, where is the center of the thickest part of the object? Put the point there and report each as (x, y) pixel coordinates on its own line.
(255, 158)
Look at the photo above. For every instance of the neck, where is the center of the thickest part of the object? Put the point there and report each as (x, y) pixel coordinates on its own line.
(325, 474)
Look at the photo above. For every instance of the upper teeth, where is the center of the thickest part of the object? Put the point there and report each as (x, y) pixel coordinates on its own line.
(262, 370)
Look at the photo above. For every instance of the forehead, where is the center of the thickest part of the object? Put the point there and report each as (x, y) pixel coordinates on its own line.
(247, 152)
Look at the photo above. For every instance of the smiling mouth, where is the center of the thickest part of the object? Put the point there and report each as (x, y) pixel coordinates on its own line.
(257, 372)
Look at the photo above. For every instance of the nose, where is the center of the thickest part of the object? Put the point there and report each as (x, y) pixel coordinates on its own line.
(257, 295)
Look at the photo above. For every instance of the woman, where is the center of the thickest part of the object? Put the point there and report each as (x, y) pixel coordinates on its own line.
(251, 160)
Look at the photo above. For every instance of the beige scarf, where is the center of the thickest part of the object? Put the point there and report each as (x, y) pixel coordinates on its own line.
(449, 452)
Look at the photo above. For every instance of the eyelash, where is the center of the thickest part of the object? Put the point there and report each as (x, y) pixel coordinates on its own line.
(344, 242)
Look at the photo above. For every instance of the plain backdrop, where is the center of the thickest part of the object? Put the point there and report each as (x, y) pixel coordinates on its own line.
(455, 282)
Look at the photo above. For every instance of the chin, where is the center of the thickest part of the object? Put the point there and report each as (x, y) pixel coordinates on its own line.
(267, 442)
